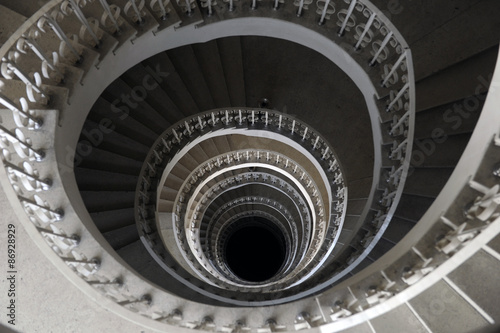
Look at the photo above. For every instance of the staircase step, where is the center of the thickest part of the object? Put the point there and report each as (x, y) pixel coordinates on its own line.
(111, 140)
(11, 20)
(440, 151)
(157, 98)
(118, 113)
(444, 46)
(98, 201)
(104, 160)
(148, 23)
(466, 78)
(172, 83)
(453, 118)
(209, 59)
(455, 313)
(477, 278)
(113, 219)
(122, 237)
(26, 9)
(355, 206)
(412, 207)
(397, 229)
(99, 180)
(427, 182)
(231, 58)
(359, 188)
(192, 18)
(383, 245)
(137, 104)
(186, 64)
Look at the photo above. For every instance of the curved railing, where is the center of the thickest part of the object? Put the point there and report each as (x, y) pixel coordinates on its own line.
(169, 145)
(31, 170)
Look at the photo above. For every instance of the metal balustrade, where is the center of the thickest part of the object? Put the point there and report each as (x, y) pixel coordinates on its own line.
(355, 21)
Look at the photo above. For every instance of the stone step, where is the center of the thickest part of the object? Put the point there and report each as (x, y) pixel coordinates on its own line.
(98, 201)
(444, 45)
(98, 180)
(108, 161)
(138, 107)
(142, 76)
(427, 182)
(453, 118)
(119, 114)
(172, 83)
(113, 219)
(11, 20)
(111, 140)
(232, 64)
(463, 79)
(122, 237)
(209, 60)
(186, 64)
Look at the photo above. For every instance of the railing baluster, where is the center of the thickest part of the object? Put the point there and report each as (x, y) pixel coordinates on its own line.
(40, 53)
(38, 154)
(347, 16)
(56, 214)
(231, 5)
(398, 96)
(11, 106)
(106, 7)
(62, 36)
(254, 4)
(189, 10)
(394, 68)
(323, 13)
(367, 27)
(23, 77)
(84, 20)
(301, 6)
(21, 172)
(382, 46)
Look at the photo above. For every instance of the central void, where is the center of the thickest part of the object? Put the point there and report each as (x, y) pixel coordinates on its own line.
(256, 250)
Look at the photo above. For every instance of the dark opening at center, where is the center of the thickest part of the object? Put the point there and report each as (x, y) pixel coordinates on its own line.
(255, 253)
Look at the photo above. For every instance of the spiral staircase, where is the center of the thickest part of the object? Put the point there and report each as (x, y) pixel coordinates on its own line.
(154, 149)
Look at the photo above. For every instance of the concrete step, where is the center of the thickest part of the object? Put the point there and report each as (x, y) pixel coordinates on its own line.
(453, 118)
(427, 182)
(231, 58)
(98, 201)
(99, 180)
(442, 309)
(113, 219)
(477, 278)
(112, 141)
(440, 151)
(107, 161)
(209, 60)
(119, 116)
(172, 83)
(186, 64)
(140, 76)
(466, 78)
(359, 188)
(147, 24)
(397, 229)
(139, 107)
(121, 237)
(444, 45)
(25, 9)
(412, 207)
(11, 20)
